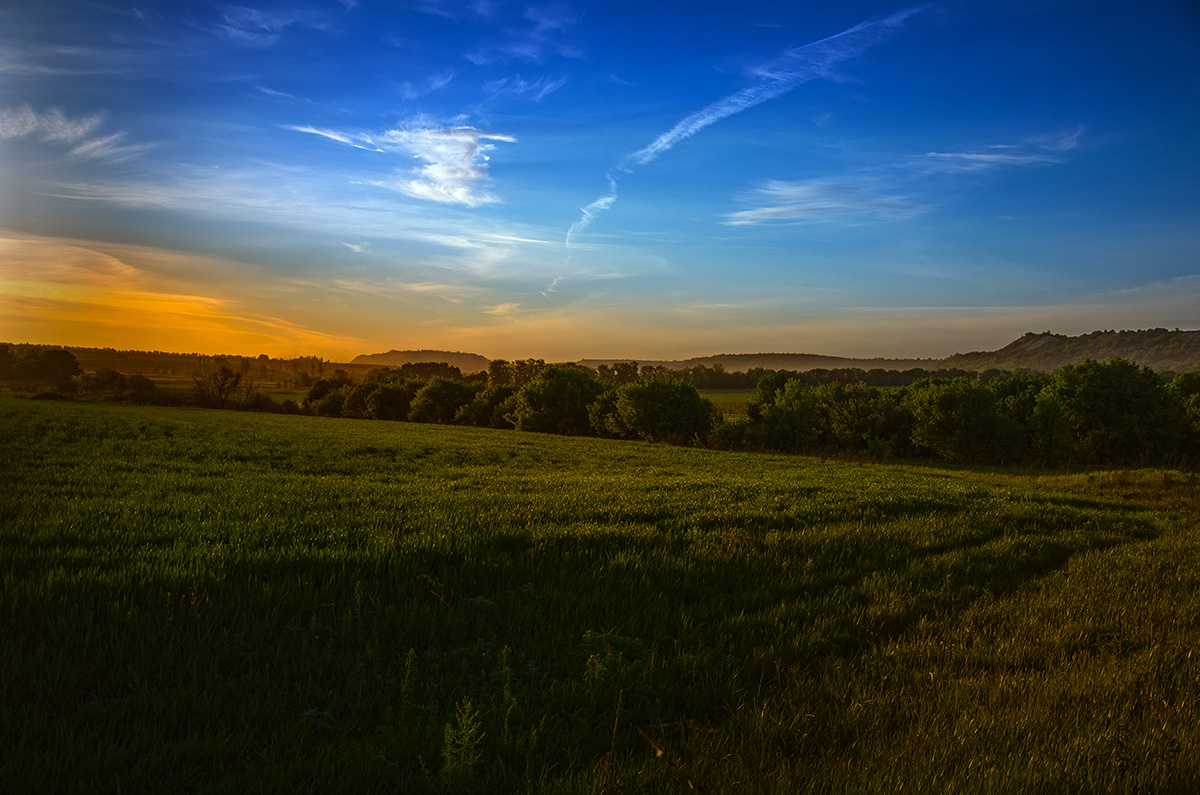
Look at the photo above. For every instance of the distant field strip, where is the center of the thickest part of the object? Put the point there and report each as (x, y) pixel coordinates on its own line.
(210, 601)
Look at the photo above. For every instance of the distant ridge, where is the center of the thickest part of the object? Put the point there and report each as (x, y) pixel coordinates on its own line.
(741, 362)
(1155, 348)
(466, 362)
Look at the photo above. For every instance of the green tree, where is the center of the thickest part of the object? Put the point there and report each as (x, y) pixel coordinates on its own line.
(784, 418)
(439, 401)
(958, 419)
(856, 416)
(655, 410)
(325, 386)
(330, 404)
(391, 400)
(556, 401)
(1186, 388)
(1049, 430)
(486, 409)
(1119, 412)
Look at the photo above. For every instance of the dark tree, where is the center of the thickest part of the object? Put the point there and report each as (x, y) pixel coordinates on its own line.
(391, 401)
(657, 411)
(487, 408)
(959, 421)
(1119, 412)
(54, 367)
(786, 421)
(213, 387)
(439, 401)
(8, 362)
(324, 387)
(555, 402)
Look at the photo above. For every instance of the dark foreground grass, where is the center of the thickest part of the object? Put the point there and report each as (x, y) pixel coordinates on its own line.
(200, 601)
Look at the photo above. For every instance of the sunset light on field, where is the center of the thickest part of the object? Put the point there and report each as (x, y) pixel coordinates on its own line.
(582, 179)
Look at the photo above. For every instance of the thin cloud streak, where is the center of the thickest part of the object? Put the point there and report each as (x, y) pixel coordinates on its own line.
(592, 210)
(818, 200)
(890, 192)
(1039, 150)
(795, 67)
(792, 69)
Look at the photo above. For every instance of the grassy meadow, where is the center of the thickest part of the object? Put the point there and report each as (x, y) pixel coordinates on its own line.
(202, 601)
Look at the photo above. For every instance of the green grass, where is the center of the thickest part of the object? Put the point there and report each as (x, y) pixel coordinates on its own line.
(728, 401)
(197, 601)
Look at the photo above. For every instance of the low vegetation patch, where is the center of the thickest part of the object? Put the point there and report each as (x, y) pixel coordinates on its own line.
(206, 601)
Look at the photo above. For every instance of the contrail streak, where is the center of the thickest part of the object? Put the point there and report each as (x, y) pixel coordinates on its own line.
(593, 209)
(793, 68)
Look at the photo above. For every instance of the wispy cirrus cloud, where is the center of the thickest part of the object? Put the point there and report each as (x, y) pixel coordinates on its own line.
(53, 126)
(455, 169)
(536, 90)
(261, 27)
(819, 200)
(774, 79)
(1037, 150)
(415, 90)
(895, 191)
(544, 32)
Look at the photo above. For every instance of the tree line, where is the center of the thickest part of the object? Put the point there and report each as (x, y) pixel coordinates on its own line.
(1111, 412)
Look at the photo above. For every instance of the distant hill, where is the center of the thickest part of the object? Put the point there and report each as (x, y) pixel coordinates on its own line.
(466, 362)
(1156, 348)
(741, 362)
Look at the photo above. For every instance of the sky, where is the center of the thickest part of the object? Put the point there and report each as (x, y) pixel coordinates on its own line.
(573, 180)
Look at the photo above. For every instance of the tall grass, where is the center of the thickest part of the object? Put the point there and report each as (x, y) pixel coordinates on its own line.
(218, 602)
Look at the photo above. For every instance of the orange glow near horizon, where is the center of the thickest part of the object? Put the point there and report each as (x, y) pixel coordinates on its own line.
(57, 291)
(69, 293)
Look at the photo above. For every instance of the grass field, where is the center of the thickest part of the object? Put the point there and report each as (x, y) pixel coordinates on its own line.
(728, 401)
(199, 601)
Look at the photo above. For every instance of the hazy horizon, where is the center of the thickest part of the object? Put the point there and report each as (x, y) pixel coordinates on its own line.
(576, 180)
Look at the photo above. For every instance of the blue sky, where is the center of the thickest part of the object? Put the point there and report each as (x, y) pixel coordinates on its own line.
(573, 180)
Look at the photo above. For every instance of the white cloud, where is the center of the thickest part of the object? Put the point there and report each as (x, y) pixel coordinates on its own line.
(776, 78)
(890, 192)
(1035, 151)
(455, 159)
(519, 87)
(503, 310)
(261, 27)
(52, 126)
(49, 126)
(817, 200)
(780, 76)
(412, 91)
(544, 32)
(981, 161)
(589, 213)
